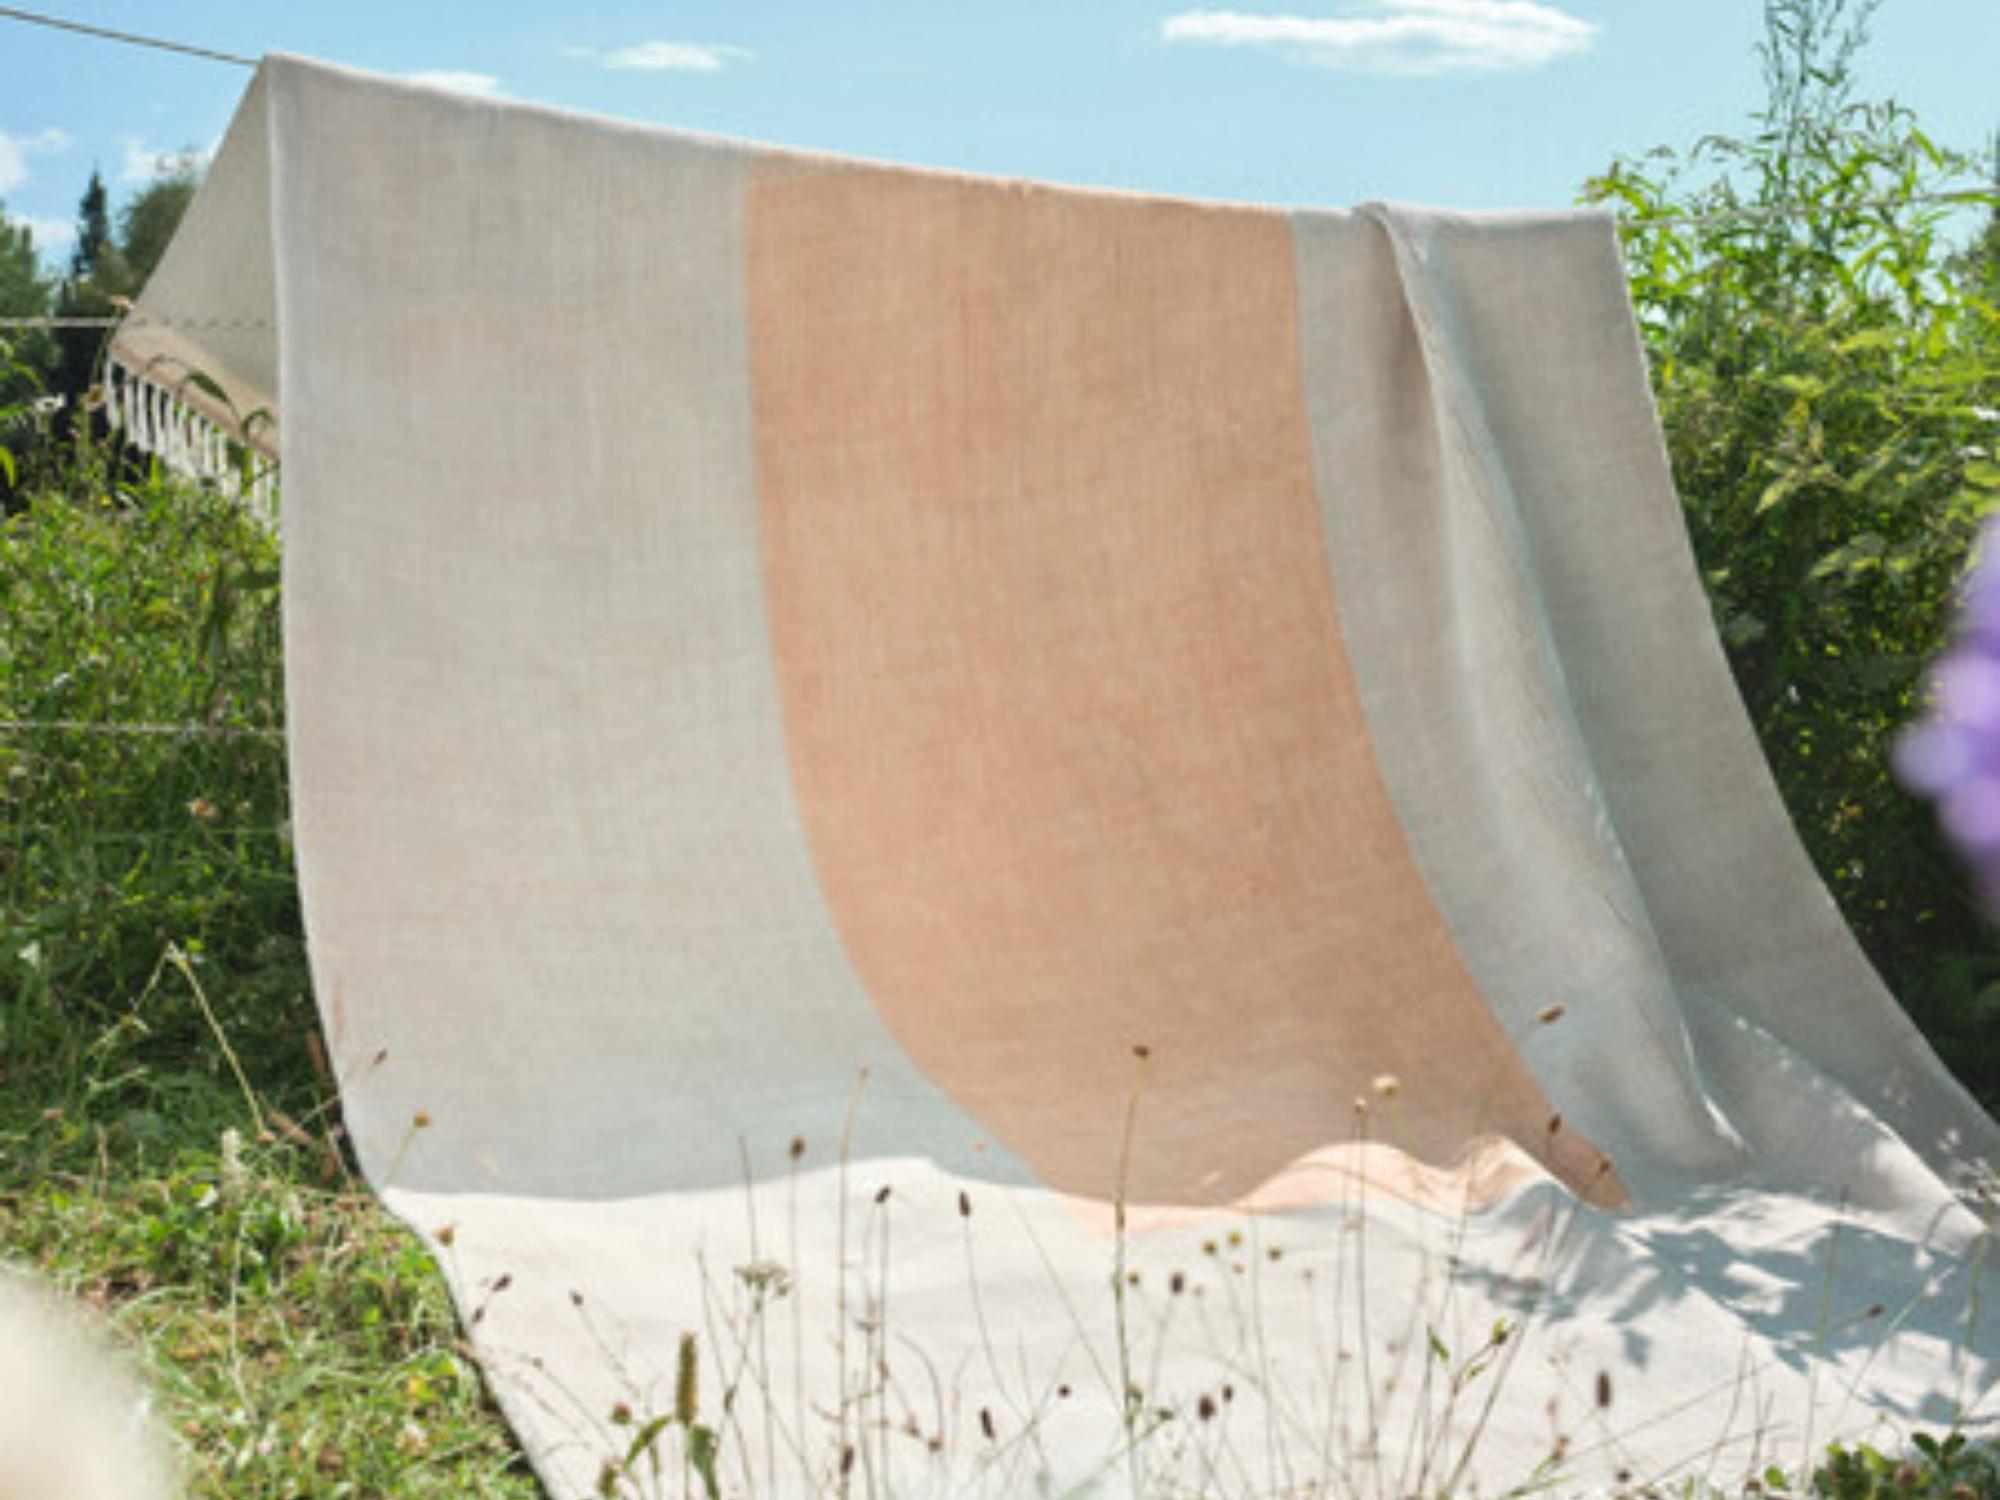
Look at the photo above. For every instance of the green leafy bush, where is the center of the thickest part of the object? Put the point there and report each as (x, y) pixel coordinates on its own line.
(142, 605)
(1941, 1469)
(1830, 391)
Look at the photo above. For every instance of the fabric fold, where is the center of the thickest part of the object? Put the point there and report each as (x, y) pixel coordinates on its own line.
(1067, 826)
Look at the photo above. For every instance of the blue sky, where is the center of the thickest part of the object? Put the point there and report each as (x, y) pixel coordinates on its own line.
(1459, 103)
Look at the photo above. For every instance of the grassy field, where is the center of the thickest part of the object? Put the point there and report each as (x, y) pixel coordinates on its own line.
(170, 1145)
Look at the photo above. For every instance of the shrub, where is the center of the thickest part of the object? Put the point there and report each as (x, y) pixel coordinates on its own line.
(1831, 397)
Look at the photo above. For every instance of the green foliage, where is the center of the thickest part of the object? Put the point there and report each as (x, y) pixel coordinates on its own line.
(298, 1343)
(151, 603)
(107, 268)
(25, 291)
(1829, 393)
(1939, 1469)
(148, 221)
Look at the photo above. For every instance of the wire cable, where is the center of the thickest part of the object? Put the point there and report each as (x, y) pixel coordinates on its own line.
(130, 38)
(138, 730)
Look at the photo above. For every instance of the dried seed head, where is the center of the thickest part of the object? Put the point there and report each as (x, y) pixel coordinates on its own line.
(1548, 1015)
(882, 1194)
(421, 1120)
(687, 1390)
(1388, 1085)
(846, 1460)
(1177, 1283)
(1555, 1124)
(1141, 1051)
(447, 1235)
(1205, 1408)
(798, 1147)
(1603, 1388)
(986, 1424)
(964, 1204)
(621, 1414)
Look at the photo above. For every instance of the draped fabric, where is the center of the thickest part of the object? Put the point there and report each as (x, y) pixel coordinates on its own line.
(1101, 841)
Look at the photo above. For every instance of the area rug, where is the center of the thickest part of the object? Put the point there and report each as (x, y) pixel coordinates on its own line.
(962, 837)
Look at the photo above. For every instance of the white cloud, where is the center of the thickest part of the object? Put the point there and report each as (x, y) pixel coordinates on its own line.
(16, 149)
(1409, 38)
(667, 57)
(483, 85)
(51, 236)
(142, 163)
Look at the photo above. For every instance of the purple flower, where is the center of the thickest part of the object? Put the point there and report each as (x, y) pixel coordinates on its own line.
(1952, 757)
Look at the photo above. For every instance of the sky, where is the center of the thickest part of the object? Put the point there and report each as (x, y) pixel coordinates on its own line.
(1454, 103)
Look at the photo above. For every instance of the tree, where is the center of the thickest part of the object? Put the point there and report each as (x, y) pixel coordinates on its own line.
(97, 276)
(93, 231)
(106, 267)
(148, 221)
(1828, 386)
(26, 356)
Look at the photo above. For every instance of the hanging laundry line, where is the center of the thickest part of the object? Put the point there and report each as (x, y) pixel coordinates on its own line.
(129, 38)
(1745, 213)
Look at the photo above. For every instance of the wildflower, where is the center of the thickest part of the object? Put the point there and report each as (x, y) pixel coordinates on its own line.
(1388, 1085)
(1952, 757)
(202, 809)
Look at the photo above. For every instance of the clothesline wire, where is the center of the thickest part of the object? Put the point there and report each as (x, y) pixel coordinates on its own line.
(141, 730)
(130, 38)
(1743, 213)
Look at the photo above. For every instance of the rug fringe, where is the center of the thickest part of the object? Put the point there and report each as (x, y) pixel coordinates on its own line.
(156, 421)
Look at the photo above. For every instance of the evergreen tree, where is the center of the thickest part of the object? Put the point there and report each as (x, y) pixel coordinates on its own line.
(98, 275)
(93, 230)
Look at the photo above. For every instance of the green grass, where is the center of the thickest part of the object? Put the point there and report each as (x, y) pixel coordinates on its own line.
(299, 1342)
(170, 1150)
